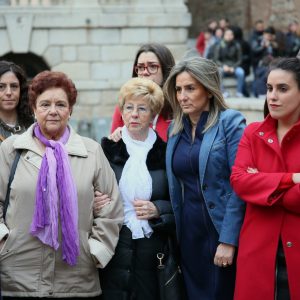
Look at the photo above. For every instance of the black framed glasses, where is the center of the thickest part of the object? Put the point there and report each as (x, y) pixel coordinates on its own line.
(151, 68)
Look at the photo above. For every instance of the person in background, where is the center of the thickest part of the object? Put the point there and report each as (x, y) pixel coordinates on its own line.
(201, 40)
(257, 31)
(15, 114)
(261, 74)
(265, 46)
(292, 39)
(203, 139)
(266, 175)
(228, 56)
(51, 243)
(152, 61)
(224, 24)
(138, 160)
(210, 42)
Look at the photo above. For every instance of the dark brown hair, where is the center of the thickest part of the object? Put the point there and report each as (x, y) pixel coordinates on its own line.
(166, 61)
(24, 113)
(288, 64)
(50, 79)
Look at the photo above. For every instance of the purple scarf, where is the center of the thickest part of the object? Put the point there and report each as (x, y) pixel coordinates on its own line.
(56, 186)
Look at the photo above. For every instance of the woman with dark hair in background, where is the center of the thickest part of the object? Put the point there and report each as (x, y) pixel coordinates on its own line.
(15, 114)
(152, 61)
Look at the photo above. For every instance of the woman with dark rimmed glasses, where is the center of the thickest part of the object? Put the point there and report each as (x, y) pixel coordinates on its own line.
(152, 61)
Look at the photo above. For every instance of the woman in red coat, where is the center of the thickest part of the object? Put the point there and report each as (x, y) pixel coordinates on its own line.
(266, 175)
(152, 61)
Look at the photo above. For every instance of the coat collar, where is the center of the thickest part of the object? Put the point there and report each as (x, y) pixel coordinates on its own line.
(267, 131)
(117, 153)
(75, 145)
(207, 142)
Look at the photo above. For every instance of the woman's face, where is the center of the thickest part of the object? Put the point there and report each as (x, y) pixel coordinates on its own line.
(52, 112)
(148, 59)
(283, 96)
(193, 98)
(137, 117)
(9, 92)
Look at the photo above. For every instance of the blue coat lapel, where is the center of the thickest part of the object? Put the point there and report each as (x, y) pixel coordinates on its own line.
(207, 142)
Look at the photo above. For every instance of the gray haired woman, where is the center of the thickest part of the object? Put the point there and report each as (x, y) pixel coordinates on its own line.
(202, 144)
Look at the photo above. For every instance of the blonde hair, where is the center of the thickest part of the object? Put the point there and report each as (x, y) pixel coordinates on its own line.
(145, 88)
(206, 72)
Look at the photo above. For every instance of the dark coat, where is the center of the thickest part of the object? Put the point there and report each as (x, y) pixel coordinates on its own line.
(131, 274)
(228, 53)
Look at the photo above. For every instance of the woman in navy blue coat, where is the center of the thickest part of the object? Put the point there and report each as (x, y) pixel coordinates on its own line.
(203, 140)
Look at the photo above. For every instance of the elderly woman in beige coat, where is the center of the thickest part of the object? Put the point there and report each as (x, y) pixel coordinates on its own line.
(51, 243)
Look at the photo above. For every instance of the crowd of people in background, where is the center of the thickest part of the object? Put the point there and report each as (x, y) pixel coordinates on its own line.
(238, 56)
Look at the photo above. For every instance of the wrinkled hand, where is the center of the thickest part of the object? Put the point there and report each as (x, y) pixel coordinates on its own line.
(145, 210)
(116, 135)
(224, 255)
(100, 201)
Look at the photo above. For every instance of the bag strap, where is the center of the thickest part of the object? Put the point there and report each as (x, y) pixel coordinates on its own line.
(11, 177)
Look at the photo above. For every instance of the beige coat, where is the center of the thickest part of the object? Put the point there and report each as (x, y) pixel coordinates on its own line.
(28, 267)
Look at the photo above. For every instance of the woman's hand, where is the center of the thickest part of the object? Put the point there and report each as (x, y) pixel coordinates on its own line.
(116, 135)
(296, 178)
(100, 201)
(252, 170)
(224, 255)
(145, 210)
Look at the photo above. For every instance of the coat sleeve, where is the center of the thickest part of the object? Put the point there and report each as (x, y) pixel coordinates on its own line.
(260, 188)
(233, 125)
(107, 223)
(291, 199)
(6, 160)
(166, 220)
(116, 120)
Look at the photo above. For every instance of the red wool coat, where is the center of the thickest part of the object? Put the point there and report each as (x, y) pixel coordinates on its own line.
(271, 213)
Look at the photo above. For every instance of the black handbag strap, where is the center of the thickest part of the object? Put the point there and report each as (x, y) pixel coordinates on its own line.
(11, 177)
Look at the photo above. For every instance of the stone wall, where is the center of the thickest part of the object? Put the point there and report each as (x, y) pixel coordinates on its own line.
(243, 13)
(94, 42)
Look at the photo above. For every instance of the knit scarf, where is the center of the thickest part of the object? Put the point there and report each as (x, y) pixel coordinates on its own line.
(56, 194)
(136, 182)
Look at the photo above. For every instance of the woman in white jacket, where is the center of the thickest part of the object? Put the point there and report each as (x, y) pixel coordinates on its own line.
(51, 243)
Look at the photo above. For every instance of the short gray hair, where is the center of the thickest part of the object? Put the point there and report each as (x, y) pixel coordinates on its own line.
(206, 72)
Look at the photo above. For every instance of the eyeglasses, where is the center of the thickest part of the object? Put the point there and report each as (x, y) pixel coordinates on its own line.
(13, 87)
(151, 68)
(141, 110)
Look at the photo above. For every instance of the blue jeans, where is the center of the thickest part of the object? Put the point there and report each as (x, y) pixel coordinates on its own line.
(239, 74)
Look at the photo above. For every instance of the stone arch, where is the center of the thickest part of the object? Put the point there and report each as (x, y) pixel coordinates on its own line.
(30, 62)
